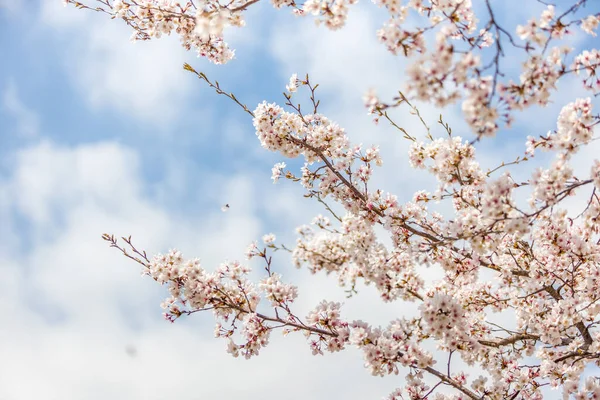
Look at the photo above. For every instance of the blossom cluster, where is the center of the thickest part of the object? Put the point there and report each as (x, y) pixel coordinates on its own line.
(529, 250)
(536, 260)
(443, 72)
(200, 28)
(545, 264)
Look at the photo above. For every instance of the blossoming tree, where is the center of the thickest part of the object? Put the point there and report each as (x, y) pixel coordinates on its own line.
(538, 260)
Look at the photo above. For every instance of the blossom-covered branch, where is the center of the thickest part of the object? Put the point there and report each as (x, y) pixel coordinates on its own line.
(541, 259)
(449, 65)
(536, 260)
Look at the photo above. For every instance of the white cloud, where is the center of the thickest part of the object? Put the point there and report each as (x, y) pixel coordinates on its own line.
(80, 305)
(145, 80)
(27, 121)
(345, 62)
(12, 6)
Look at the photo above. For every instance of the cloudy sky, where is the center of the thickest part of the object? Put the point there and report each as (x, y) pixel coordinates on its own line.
(101, 135)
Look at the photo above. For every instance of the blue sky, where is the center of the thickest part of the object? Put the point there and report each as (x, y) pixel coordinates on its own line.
(101, 135)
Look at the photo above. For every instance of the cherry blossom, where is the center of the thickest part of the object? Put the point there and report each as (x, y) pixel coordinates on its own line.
(511, 240)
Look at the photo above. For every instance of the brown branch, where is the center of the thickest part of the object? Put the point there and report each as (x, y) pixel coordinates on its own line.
(585, 333)
(509, 340)
(244, 6)
(286, 323)
(449, 381)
